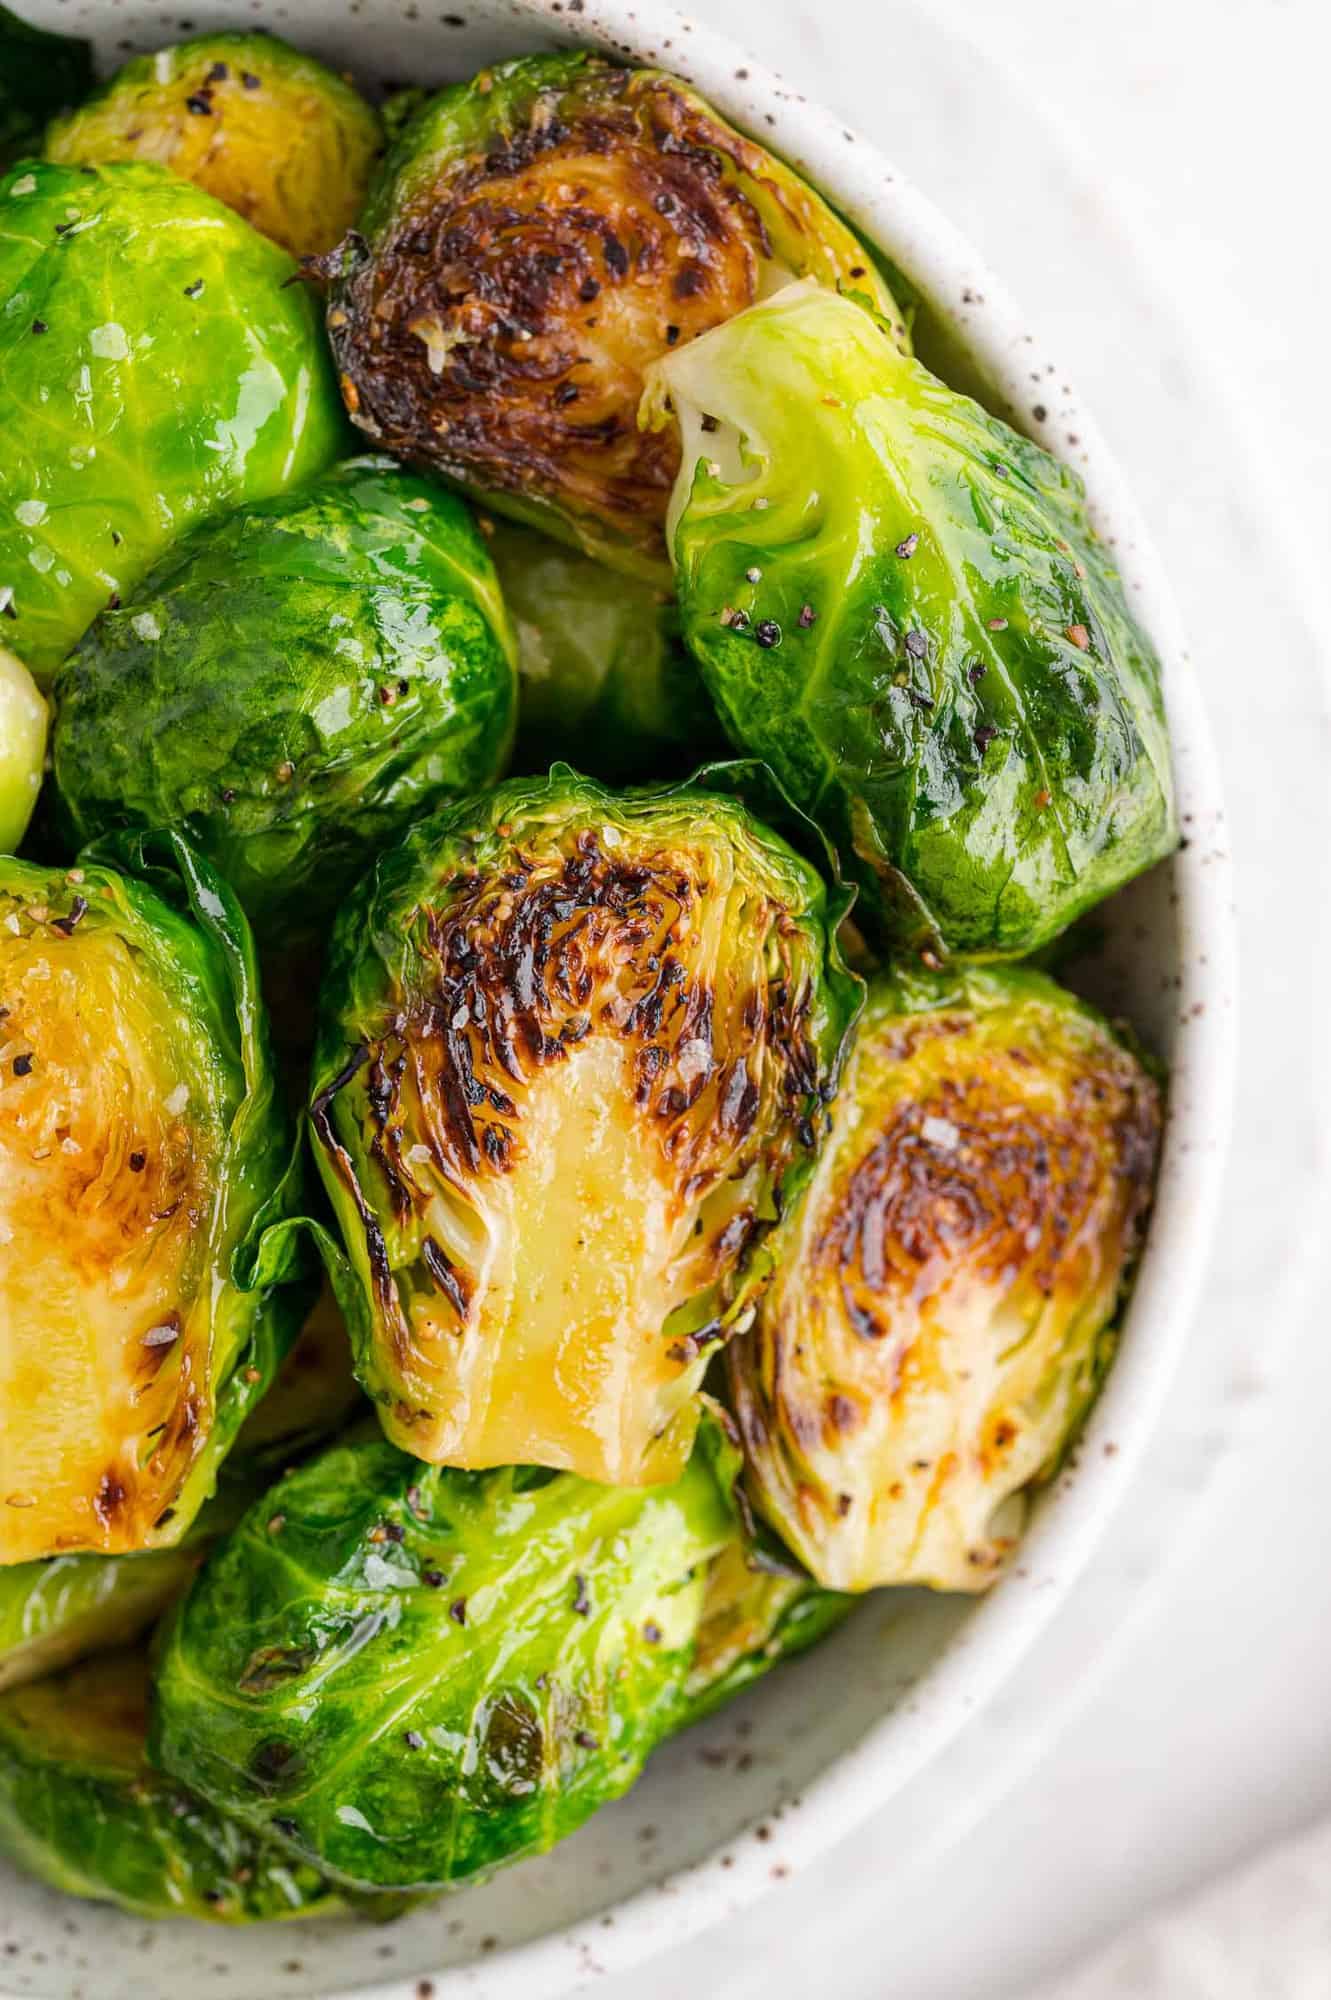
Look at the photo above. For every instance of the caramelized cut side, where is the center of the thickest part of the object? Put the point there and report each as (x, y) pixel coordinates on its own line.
(106, 1156)
(578, 1117)
(938, 1325)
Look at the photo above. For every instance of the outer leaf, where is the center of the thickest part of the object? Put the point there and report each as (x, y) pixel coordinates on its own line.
(537, 238)
(292, 685)
(412, 1675)
(947, 1284)
(573, 1053)
(80, 1808)
(155, 368)
(900, 604)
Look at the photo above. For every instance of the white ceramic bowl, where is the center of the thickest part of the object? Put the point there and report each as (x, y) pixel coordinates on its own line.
(730, 1809)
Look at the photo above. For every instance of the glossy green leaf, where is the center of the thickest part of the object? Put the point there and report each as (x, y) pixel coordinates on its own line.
(294, 684)
(81, 1809)
(411, 1675)
(900, 604)
(156, 367)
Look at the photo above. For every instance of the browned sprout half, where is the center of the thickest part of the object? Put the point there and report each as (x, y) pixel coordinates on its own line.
(538, 237)
(941, 1320)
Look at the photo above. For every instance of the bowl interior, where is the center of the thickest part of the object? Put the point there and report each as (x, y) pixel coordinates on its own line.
(737, 1802)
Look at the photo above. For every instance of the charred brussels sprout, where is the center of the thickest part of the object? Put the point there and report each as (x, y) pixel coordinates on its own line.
(23, 721)
(292, 685)
(142, 1162)
(900, 604)
(268, 131)
(942, 1312)
(81, 1808)
(537, 238)
(602, 669)
(573, 1047)
(39, 73)
(411, 1675)
(155, 368)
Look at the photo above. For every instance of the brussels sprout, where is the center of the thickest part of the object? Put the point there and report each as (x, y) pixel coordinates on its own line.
(23, 719)
(942, 1312)
(81, 1808)
(603, 671)
(292, 685)
(155, 368)
(536, 238)
(39, 73)
(410, 1675)
(900, 604)
(246, 117)
(142, 1162)
(571, 1052)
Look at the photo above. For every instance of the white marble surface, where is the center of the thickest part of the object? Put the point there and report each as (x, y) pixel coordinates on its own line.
(1140, 170)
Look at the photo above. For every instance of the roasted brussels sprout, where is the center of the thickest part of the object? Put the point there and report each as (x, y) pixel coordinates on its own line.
(81, 1808)
(573, 1048)
(155, 368)
(602, 669)
(900, 604)
(263, 128)
(39, 73)
(23, 720)
(537, 237)
(292, 685)
(942, 1312)
(142, 1162)
(410, 1675)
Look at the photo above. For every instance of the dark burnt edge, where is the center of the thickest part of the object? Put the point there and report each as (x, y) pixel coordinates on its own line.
(375, 1247)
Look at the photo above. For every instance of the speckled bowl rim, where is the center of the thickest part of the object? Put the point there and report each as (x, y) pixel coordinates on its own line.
(1023, 380)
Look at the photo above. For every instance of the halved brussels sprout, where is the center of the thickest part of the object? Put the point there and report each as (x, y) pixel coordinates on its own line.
(81, 1808)
(292, 685)
(23, 722)
(155, 368)
(142, 1160)
(900, 604)
(536, 239)
(411, 1675)
(39, 73)
(269, 131)
(573, 1047)
(942, 1313)
(602, 669)
(56, 1610)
